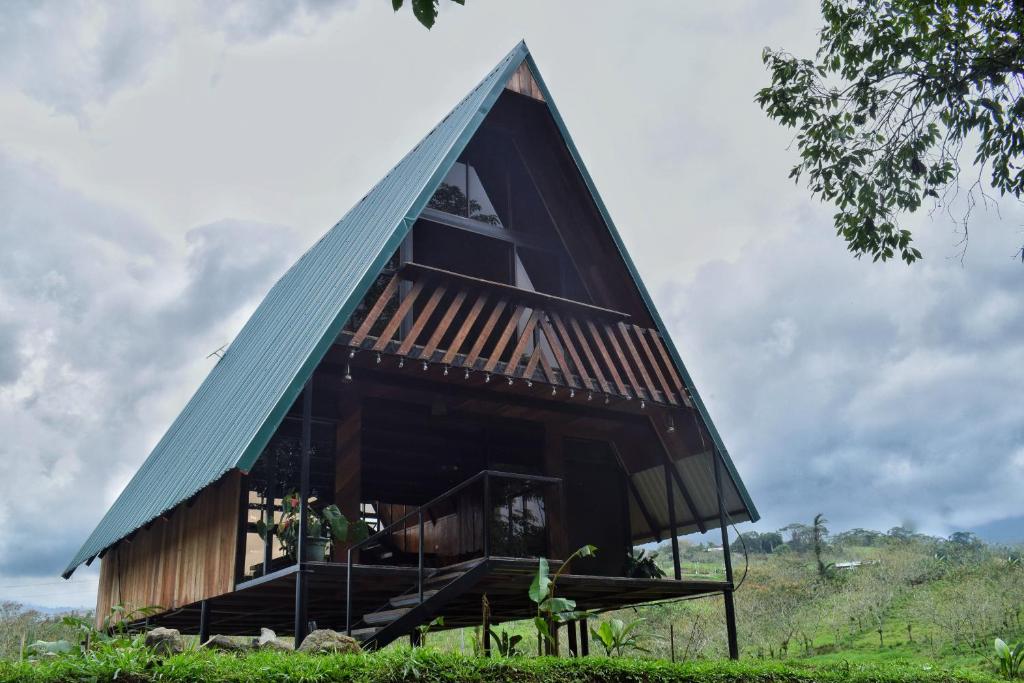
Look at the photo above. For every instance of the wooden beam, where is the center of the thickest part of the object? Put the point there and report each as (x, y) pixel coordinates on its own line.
(636, 493)
(666, 453)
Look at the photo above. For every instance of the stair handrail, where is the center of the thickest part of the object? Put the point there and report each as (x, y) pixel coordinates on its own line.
(484, 475)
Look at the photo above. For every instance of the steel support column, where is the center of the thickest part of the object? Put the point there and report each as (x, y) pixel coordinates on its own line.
(730, 608)
(204, 621)
(672, 528)
(301, 589)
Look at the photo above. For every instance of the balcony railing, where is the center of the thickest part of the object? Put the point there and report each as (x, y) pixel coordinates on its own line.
(432, 316)
(496, 514)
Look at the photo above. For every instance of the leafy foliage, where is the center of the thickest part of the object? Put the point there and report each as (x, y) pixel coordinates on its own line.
(616, 635)
(328, 522)
(551, 609)
(1009, 660)
(643, 565)
(896, 91)
(425, 11)
(141, 665)
(507, 643)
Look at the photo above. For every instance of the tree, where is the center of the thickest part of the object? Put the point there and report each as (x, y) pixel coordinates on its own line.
(897, 90)
(820, 531)
(425, 11)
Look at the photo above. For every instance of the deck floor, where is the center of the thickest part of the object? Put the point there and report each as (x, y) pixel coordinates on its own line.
(270, 601)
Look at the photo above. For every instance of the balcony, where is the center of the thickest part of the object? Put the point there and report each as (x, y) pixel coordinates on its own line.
(427, 316)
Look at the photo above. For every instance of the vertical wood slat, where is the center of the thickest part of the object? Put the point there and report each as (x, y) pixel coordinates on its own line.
(485, 333)
(531, 364)
(568, 346)
(666, 388)
(403, 308)
(673, 373)
(467, 325)
(618, 354)
(628, 343)
(180, 559)
(596, 336)
(375, 311)
(602, 383)
(421, 320)
(549, 334)
(520, 346)
(442, 326)
(503, 339)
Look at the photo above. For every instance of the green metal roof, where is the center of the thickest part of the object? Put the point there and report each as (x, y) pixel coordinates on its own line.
(233, 414)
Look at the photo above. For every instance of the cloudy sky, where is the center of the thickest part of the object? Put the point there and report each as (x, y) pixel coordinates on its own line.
(161, 165)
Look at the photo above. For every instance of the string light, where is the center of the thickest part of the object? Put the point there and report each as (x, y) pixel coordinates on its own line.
(466, 376)
(401, 362)
(348, 374)
(590, 396)
(642, 404)
(572, 393)
(424, 366)
(445, 371)
(510, 380)
(487, 378)
(671, 427)
(378, 358)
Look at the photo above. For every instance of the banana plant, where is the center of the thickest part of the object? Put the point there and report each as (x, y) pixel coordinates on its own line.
(550, 608)
(506, 643)
(616, 635)
(1009, 660)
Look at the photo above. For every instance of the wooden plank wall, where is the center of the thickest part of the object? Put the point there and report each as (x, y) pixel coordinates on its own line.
(185, 557)
(523, 83)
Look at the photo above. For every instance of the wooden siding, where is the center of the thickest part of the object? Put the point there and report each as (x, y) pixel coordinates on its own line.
(522, 82)
(184, 557)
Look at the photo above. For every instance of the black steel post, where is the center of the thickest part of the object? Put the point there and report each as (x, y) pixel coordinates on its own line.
(348, 595)
(571, 632)
(584, 638)
(487, 514)
(204, 621)
(301, 589)
(730, 608)
(268, 515)
(673, 533)
(419, 574)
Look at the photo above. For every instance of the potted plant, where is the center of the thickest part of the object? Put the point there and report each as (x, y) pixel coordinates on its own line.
(322, 528)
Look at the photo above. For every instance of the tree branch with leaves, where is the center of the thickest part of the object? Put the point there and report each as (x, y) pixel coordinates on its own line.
(898, 91)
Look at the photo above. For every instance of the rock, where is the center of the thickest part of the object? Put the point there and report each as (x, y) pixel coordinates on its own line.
(268, 640)
(225, 644)
(277, 645)
(323, 641)
(165, 641)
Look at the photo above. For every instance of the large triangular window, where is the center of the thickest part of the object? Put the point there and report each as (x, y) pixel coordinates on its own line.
(462, 194)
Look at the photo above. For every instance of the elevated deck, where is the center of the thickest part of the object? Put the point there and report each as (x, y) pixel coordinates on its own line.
(269, 601)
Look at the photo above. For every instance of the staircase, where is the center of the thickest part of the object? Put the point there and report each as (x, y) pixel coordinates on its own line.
(435, 588)
(403, 613)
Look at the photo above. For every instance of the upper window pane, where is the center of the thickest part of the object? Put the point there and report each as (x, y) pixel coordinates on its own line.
(480, 206)
(461, 193)
(451, 194)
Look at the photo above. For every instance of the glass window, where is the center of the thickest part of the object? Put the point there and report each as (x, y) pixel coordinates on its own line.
(461, 193)
(451, 195)
(480, 206)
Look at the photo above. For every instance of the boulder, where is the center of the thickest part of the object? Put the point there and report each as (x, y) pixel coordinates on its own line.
(324, 641)
(268, 640)
(165, 641)
(225, 644)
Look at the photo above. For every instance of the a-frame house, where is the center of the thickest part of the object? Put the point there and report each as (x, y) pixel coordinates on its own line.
(469, 363)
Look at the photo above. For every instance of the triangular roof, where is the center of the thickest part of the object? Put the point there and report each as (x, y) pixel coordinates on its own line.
(233, 414)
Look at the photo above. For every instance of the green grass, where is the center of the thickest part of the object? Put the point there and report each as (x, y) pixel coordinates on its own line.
(138, 665)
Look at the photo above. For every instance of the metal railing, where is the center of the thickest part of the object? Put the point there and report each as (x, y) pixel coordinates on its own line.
(485, 476)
